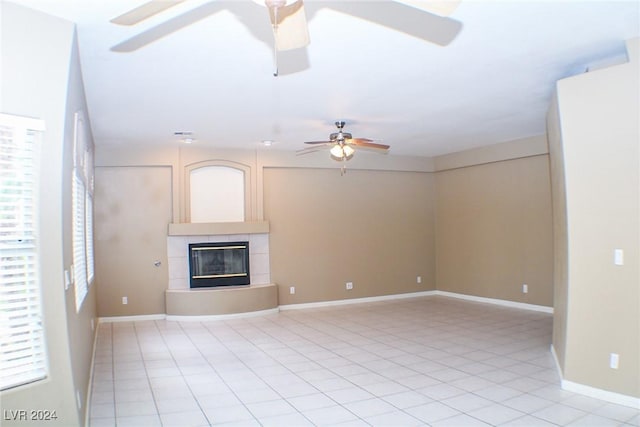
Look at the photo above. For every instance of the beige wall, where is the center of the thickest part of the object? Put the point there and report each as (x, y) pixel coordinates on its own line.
(372, 228)
(130, 237)
(600, 129)
(493, 230)
(41, 78)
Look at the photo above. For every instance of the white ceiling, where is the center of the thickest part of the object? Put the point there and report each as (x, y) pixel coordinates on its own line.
(206, 66)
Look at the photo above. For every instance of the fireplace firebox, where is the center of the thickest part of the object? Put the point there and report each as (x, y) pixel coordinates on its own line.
(214, 264)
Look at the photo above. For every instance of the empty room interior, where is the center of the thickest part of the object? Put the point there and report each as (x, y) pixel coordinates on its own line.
(385, 213)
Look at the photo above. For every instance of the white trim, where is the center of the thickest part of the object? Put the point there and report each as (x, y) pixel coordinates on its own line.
(87, 406)
(138, 318)
(302, 306)
(556, 362)
(596, 393)
(209, 317)
(355, 300)
(502, 302)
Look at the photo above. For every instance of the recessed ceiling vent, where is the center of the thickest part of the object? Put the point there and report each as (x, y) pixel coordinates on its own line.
(185, 136)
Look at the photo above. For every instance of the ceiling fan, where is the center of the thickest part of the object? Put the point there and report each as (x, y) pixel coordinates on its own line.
(343, 145)
(288, 21)
(425, 19)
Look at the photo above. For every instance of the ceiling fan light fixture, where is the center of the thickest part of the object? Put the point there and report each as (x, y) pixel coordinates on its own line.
(341, 152)
(348, 151)
(337, 152)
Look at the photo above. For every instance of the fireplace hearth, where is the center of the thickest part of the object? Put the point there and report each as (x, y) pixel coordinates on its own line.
(213, 264)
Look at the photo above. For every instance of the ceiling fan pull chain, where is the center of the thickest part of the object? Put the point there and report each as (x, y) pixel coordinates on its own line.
(275, 63)
(275, 41)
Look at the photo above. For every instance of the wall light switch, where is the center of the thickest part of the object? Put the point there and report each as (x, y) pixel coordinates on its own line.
(349, 286)
(618, 257)
(292, 290)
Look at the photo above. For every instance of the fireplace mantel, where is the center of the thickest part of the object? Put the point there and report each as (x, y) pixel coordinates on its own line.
(217, 228)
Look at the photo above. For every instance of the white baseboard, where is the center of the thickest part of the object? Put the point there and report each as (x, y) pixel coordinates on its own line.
(138, 318)
(355, 300)
(302, 306)
(556, 362)
(502, 302)
(87, 406)
(210, 317)
(596, 393)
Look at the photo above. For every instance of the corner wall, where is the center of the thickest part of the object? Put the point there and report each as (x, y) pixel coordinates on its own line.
(493, 222)
(560, 237)
(600, 145)
(41, 78)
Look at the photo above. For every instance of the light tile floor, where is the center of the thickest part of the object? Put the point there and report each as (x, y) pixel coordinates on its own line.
(422, 361)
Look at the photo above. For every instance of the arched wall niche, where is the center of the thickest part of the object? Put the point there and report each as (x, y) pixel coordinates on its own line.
(217, 191)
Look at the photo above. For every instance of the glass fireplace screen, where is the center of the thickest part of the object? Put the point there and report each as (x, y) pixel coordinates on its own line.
(219, 264)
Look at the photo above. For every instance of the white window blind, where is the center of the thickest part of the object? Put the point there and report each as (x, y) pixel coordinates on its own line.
(22, 347)
(89, 237)
(82, 211)
(79, 242)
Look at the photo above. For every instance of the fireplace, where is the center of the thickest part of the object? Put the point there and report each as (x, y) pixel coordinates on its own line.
(218, 264)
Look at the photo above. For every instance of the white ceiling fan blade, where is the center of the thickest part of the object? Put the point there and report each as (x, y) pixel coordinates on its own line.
(369, 144)
(144, 11)
(401, 17)
(439, 7)
(291, 30)
(312, 149)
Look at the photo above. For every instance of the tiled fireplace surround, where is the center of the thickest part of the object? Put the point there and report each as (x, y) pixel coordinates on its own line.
(178, 249)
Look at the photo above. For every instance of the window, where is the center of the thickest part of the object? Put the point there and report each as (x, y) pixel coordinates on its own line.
(22, 347)
(82, 212)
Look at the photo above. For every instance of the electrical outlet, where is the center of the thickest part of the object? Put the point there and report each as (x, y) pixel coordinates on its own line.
(525, 288)
(419, 279)
(618, 257)
(614, 360)
(349, 286)
(125, 300)
(292, 290)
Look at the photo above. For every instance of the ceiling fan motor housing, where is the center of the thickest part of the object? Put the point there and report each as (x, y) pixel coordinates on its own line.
(339, 136)
(275, 3)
